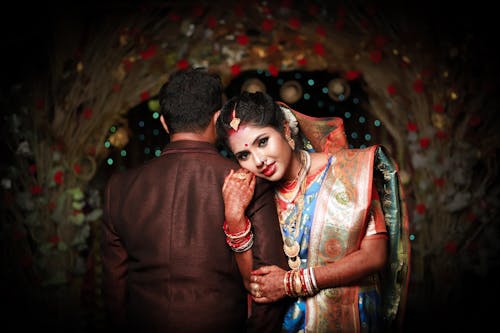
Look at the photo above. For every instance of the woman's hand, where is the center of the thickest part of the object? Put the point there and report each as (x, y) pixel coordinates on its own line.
(237, 191)
(266, 284)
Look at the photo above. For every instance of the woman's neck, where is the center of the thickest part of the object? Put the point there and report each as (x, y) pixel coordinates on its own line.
(296, 165)
(288, 191)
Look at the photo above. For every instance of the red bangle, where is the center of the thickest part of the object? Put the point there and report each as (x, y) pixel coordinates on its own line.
(237, 242)
(238, 235)
(303, 282)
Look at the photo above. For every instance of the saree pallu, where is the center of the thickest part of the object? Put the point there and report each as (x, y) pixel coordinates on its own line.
(377, 303)
(384, 296)
(337, 230)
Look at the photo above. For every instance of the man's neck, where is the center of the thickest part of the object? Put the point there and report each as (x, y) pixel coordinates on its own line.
(192, 137)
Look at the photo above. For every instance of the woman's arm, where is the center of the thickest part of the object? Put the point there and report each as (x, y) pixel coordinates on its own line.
(370, 258)
(237, 192)
(244, 261)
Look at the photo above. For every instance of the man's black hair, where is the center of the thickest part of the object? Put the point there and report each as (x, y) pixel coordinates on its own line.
(189, 99)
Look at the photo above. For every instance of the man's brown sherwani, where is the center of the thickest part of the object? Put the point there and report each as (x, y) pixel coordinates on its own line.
(167, 266)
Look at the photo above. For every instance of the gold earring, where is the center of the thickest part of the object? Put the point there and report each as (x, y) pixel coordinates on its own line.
(291, 142)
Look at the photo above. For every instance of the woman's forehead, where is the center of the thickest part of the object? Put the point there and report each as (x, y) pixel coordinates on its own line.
(246, 134)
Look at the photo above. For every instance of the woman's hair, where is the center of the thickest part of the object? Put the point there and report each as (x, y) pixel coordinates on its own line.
(257, 109)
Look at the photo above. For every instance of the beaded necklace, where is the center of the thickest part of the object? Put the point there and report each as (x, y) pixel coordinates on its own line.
(291, 246)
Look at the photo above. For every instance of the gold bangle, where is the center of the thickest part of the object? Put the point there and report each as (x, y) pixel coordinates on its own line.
(297, 283)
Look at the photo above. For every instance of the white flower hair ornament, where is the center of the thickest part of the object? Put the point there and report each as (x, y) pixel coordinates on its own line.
(291, 119)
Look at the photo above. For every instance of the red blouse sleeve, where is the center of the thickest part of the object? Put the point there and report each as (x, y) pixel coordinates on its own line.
(376, 224)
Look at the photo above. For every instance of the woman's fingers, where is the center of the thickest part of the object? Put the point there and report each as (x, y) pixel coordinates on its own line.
(263, 299)
(267, 284)
(252, 181)
(237, 191)
(265, 270)
(226, 180)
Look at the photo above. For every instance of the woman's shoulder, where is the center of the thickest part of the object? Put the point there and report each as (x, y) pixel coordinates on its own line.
(318, 161)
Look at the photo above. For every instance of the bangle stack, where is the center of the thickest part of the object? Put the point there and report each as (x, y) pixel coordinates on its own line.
(301, 282)
(240, 241)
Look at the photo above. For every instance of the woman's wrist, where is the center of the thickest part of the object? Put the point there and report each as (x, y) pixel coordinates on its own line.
(239, 239)
(236, 224)
(300, 283)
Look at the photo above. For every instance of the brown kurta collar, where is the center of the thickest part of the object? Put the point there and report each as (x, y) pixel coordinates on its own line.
(186, 146)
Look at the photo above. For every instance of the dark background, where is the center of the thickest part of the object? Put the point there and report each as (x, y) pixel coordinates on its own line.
(27, 27)
(27, 41)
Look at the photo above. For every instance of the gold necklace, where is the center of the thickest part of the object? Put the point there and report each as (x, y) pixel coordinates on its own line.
(305, 161)
(291, 246)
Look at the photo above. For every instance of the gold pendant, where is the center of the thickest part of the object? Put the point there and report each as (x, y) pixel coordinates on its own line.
(294, 263)
(291, 247)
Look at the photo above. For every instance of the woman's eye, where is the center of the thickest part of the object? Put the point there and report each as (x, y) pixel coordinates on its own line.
(263, 142)
(242, 156)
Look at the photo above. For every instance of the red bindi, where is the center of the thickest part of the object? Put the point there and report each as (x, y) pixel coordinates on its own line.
(246, 144)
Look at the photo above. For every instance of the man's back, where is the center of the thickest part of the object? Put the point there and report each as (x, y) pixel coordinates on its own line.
(168, 214)
(167, 267)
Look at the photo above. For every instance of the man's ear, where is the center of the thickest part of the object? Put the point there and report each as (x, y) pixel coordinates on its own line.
(215, 116)
(164, 124)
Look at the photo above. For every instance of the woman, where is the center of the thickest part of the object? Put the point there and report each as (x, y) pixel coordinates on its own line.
(348, 254)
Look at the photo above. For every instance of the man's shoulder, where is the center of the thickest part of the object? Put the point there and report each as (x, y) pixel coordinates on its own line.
(264, 183)
(264, 190)
(120, 178)
(155, 166)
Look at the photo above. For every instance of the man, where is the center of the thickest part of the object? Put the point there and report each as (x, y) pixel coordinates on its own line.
(167, 267)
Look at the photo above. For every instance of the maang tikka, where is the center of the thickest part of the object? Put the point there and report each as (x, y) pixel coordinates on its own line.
(235, 121)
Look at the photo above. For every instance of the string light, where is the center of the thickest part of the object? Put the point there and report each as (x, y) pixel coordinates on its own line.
(286, 86)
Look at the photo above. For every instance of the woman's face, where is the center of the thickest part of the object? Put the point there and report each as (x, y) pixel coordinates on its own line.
(263, 151)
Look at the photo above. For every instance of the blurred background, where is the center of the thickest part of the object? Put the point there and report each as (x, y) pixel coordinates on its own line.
(78, 97)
